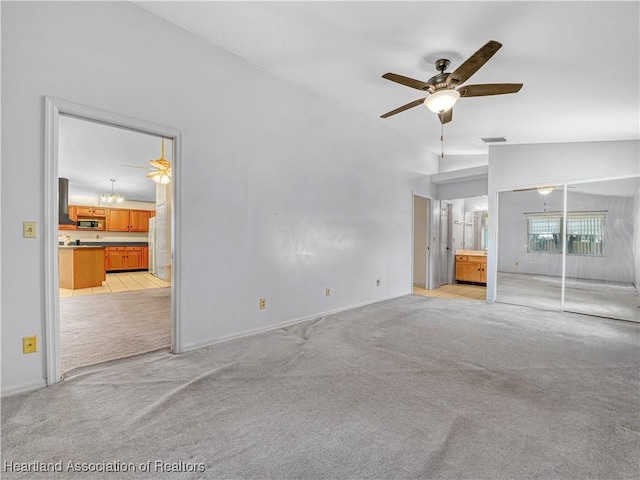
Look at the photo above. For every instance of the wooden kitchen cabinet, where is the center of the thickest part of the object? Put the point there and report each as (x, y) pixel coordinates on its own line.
(471, 266)
(138, 220)
(117, 220)
(145, 258)
(91, 211)
(116, 258)
(126, 258)
(124, 220)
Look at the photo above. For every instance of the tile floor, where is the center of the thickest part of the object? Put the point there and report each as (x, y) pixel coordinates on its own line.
(455, 290)
(119, 282)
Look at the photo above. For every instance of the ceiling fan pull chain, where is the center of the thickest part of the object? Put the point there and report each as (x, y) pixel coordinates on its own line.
(442, 139)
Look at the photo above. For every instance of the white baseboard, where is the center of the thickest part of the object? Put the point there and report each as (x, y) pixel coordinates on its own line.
(225, 338)
(28, 387)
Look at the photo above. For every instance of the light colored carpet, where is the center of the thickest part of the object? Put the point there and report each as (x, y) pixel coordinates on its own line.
(408, 388)
(98, 328)
(591, 297)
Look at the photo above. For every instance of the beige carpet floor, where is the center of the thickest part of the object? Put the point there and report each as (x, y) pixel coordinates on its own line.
(411, 388)
(99, 328)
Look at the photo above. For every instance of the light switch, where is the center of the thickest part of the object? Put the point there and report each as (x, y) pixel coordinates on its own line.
(29, 230)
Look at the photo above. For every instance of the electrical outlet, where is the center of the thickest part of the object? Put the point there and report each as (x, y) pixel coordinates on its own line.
(29, 344)
(263, 303)
(327, 292)
(29, 230)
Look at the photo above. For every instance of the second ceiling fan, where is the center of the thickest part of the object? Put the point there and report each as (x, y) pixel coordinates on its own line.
(444, 88)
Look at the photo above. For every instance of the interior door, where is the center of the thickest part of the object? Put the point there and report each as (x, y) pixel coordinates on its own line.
(421, 241)
(446, 259)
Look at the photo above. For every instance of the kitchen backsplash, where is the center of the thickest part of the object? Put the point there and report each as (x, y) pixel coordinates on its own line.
(95, 236)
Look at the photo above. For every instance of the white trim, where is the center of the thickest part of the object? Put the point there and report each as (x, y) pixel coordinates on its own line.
(26, 388)
(53, 108)
(564, 246)
(225, 338)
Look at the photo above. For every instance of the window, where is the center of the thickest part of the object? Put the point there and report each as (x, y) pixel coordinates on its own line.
(584, 233)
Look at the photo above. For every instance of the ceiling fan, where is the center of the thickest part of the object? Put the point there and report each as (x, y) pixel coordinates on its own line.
(444, 88)
(161, 171)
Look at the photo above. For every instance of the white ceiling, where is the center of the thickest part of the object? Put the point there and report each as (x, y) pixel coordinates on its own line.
(579, 61)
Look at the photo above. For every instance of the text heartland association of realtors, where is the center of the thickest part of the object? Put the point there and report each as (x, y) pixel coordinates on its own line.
(156, 466)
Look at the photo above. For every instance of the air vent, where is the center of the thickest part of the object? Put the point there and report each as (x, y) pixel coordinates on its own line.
(493, 139)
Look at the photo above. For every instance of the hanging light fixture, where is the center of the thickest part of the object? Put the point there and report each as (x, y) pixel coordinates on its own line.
(162, 174)
(442, 100)
(111, 197)
(544, 190)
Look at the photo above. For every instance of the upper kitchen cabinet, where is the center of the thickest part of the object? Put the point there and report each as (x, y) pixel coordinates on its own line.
(123, 220)
(91, 211)
(138, 220)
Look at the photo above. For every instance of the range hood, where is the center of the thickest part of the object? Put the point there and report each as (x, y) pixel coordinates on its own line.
(63, 202)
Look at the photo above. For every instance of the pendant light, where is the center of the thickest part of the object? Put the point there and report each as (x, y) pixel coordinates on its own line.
(111, 197)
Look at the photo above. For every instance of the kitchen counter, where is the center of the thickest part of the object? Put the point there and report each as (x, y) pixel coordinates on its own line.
(474, 253)
(81, 266)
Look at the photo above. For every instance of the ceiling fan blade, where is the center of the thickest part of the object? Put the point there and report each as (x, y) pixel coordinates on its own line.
(415, 103)
(472, 64)
(409, 82)
(160, 163)
(135, 166)
(446, 117)
(489, 89)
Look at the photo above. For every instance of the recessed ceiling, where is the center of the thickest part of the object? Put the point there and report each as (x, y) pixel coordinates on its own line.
(579, 61)
(90, 154)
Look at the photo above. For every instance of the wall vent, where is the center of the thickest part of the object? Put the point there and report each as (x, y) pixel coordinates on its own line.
(493, 139)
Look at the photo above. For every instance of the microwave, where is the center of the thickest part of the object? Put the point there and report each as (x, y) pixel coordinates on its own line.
(90, 223)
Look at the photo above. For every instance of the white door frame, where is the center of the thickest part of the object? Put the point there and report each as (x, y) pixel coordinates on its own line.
(53, 108)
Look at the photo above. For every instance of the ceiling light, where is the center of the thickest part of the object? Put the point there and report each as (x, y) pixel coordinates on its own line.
(442, 100)
(544, 190)
(161, 176)
(111, 197)
(163, 173)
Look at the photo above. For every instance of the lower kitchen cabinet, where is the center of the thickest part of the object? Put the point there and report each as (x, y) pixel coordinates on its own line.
(125, 258)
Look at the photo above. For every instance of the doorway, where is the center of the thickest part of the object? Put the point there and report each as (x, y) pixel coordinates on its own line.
(54, 109)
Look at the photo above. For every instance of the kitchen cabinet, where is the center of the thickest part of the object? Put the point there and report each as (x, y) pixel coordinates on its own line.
(123, 220)
(81, 267)
(73, 216)
(471, 266)
(126, 258)
(145, 258)
(138, 220)
(91, 211)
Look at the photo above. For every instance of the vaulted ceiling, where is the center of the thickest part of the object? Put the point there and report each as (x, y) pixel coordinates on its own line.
(579, 61)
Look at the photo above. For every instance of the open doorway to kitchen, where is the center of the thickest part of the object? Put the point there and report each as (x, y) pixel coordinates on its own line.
(111, 288)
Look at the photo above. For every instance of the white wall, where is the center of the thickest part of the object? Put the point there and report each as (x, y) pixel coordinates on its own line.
(518, 166)
(283, 193)
(458, 162)
(463, 189)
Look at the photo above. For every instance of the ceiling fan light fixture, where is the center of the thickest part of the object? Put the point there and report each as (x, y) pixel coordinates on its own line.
(442, 100)
(544, 190)
(161, 177)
